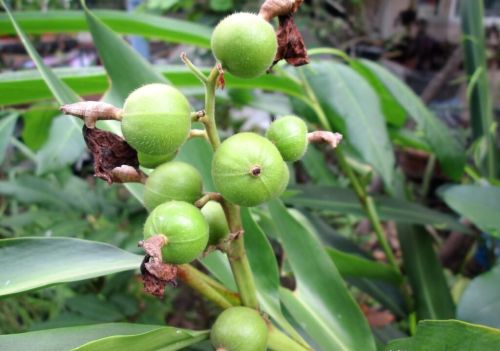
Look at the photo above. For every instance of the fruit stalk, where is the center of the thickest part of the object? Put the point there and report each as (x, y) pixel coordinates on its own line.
(236, 249)
(194, 279)
(278, 341)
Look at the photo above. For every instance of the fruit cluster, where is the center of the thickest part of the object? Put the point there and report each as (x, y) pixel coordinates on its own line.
(247, 169)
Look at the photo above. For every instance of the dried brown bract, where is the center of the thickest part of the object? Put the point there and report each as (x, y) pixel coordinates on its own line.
(115, 161)
(291, 45)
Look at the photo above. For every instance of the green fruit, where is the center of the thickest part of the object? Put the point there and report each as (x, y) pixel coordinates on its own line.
(289, 134)
(248, 170)
(152, 161)
(239, 329)
(185, 228)
(245, 44)
(156, 119)
(172, 181)
(218, 227)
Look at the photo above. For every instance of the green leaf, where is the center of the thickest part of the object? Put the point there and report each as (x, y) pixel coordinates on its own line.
(158, 27)
(448, 150)
(480, 101)
(65, 339)
(393, 112)
(67, 129)
(265, 269)
(334, 321)
(480, 302)
(165, 339)
(93, 80)
(7, 125)
(317, 167)
(344, 94)
(36, 125)
(480, 204)
(49, 261)
(449, 335)
(425, 273)
(345, 201)
(350, 265)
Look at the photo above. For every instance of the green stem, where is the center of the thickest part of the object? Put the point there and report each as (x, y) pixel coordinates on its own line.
(191, 277)
(429, 171)
(231, 296)
(278, 341)
(236, 249)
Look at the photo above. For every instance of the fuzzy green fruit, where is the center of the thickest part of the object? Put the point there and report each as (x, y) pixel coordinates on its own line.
(245, 44)
(248, 170)
(185, 228)
(289, 134)
(239, 329)
(218, 227)
(172, 181)
(156, 119)
(152, 161)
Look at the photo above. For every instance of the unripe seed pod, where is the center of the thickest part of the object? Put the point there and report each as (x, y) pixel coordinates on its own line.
(239, 329)
(217, 223)
(289, 134)
(248, 170)
(156, 119)
(185, 228)
(172, 181)
(152, 161)
(245, 44)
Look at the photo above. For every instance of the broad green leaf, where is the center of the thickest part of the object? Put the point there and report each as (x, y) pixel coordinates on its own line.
(480, 100)
(49, 261)
(334, 321)
(149, 26)
(7, 124)
(408, 139)
(265, 270)
(317, 168)
(36, 125)
(479, 204)
(345, 201)
(480, 302)
(350, 265)
(65, 339)
(93, 80)
(448, 335)
(425, 273)
(393, 112)
(344, 94)
(164, 339)
(448, 150)
(218, 264)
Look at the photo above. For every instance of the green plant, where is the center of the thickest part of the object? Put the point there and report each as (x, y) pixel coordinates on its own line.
(153, 161)
(218, 229)
(150, 111)
(245, 44)
(184, 228)
(173, 180)
(239, 329)
(248, 170)
(321, 311)
(289, 134)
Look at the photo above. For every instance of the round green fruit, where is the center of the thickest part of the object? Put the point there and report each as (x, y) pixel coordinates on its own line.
(248, 170)
(216, 219)
(172, 181)
(239, 329)
(289, 134)
(152, 161)
(245, 44)
(156, 119)
(185, 228)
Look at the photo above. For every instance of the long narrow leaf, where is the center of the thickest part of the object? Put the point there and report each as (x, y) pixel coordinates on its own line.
(150, 26)
(338, 321)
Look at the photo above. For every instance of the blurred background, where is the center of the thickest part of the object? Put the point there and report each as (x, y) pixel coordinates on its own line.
(418, 40)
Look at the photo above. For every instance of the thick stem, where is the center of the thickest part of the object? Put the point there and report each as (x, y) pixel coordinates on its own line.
(238, 258)
(278, 341)
(191, 277)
